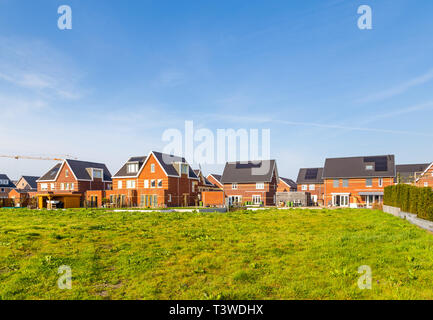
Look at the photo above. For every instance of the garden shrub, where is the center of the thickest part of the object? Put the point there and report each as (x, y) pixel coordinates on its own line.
(410, 199)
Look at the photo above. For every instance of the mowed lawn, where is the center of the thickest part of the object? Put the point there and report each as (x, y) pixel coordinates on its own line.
(273, 254)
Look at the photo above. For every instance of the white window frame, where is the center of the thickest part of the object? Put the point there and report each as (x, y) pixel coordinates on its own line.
(146, 184)
(371, 185)
(132, 168)
(152, 168)
(334, 182)
(53, 186)
(260, 185)
(369, 167)
(158, 183)
(304, 187)
(312, 187)
(44, 186)
(425, 184)
(234, 186)
(120, 184)
(380, 182)
(152, 184)
(130, 184)
(98, 170)
(255, 197)
(72, 186)
(169, 198)
(62, 186)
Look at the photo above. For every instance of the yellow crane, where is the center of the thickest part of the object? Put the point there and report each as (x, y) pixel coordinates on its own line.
(37, 158)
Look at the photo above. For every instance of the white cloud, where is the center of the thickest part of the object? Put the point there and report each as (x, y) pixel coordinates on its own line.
(399, 89)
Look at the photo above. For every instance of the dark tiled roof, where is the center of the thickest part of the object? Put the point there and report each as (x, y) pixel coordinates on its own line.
(248, 172)
(79, 169)
(217, 177)
(406, 172)
(9, 184)
(206, 181)
(290, 182)
(123, 172)
(51, 174)
(356, 167)
(32, 181)
(310, 176)
(167, 162)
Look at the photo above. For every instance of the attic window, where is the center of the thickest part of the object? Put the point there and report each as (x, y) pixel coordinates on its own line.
(132, 168)
(369, 167)
(4, 182)
(97, 174)
(66, 173)
(184, 168)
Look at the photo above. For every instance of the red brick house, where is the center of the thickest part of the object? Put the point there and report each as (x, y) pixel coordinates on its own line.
(65, 185)
(357, 181)
(286, 185)
(6, 186)
(216, 180)
(310, 180)
(155, 180)
(425, 179)
(408, 173)
(26, 190)
(253, 181)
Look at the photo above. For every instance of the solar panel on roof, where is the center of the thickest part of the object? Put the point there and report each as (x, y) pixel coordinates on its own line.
(311, 174)
(380, 163)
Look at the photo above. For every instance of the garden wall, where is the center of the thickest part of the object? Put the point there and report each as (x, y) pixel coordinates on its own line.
(412, 218)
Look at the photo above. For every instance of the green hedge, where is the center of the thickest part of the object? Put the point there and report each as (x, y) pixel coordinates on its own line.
(410, 199)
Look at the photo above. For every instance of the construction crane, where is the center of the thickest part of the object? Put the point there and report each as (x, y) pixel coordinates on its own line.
(37, 158)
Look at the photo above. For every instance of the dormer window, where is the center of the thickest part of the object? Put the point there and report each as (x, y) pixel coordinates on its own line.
(97, 174)
(132, 168)
(369, 167)
(184, 168)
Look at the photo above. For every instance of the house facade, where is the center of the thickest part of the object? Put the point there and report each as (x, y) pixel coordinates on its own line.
(425, 179)
(215, 179)
(65, 185)
(286, 185)
(25, 192)
(310, 180)
(6, 186)
(27, 183)
(409, 173)
(155, 180)
(253, 181)
(357, 181)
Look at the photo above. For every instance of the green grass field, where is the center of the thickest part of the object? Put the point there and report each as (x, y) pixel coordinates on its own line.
(273, 254)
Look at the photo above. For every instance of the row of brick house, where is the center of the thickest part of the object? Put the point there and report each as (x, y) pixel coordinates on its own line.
(162, 180)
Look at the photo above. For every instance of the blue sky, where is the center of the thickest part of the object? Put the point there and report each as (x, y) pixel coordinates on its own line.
(128, 70)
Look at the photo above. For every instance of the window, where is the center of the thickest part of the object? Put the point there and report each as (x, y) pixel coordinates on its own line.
(260, 185)
(169, 198)
(312, 187)
(234, 186)
(119, 184)
(152, 168)
(257, 199)
(380, 182)
(62, 186)
(193, 186)
(336, 183)
(67, 186)
(425, 184)
(152, 184)
(53, 186)
(109, 186)
(369, 182)
(97, 174)
(146, 184)
(4, 182)
(132, 168)
(369, 167)
(345, 183)
(183, 168)
(304, 187)
(66, 173)
(130, 184)
(72, 186)
(2, 189)
(44, 186)
(159, 183)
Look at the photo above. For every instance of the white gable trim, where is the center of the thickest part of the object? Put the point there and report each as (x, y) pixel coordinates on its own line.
(57, 175)
(425, 171)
